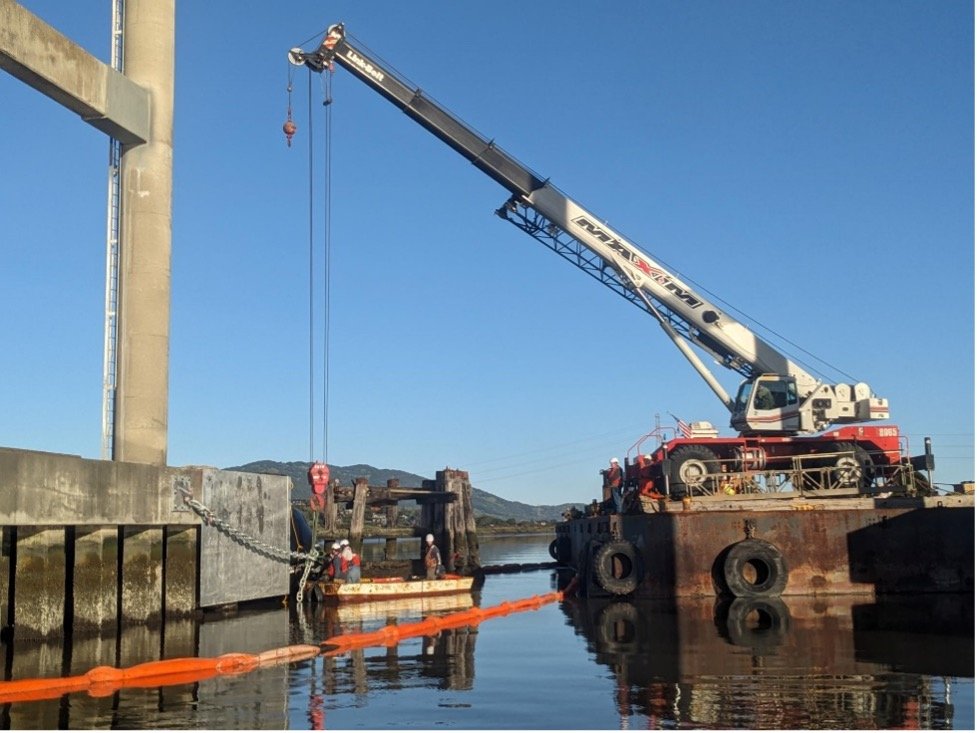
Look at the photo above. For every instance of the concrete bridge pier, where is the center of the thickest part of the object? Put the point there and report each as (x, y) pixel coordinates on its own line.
(143, 555)
(96, 573)
(40, 598)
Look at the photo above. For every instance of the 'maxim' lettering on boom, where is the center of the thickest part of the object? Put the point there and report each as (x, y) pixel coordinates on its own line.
(662, 278)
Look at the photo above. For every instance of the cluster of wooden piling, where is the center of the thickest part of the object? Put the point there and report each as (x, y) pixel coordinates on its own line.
(446, 512)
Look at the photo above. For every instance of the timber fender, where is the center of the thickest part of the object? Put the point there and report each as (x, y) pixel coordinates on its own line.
(755, 569)
(617, 567)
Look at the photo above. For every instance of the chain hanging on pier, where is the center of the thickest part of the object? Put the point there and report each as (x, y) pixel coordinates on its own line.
(243, 538)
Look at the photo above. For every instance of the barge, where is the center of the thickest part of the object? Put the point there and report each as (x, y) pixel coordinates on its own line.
(783, 543)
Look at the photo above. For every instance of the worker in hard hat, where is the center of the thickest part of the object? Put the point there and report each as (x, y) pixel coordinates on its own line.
(613, 481)
(432, 559)
(350, 563)
(333, 562)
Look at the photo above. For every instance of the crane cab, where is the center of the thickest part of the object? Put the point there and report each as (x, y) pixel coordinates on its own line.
(767, 404)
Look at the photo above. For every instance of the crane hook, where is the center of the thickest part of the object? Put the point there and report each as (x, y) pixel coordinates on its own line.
(289, 129)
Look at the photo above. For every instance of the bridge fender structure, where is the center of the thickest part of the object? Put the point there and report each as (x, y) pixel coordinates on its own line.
(755, 569)
(618, 567)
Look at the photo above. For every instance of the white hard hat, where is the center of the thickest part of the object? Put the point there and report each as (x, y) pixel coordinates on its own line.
(344, 542)
(614, 460)
(335, 545)
(429, 538)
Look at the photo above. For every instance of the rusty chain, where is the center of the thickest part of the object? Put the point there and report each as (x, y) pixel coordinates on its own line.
(242, 538)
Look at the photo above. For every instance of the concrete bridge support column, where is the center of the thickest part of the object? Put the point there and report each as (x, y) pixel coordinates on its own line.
(96, 579)
(6, 578)
(147, 221)
(142, 574)
(180, 572)
(39, 595)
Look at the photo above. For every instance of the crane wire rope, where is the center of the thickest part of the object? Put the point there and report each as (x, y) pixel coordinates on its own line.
(326, 265)
(326, 259)
(311, 278)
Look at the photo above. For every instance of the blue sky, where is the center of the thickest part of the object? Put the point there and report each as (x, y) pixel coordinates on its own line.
(810, 164)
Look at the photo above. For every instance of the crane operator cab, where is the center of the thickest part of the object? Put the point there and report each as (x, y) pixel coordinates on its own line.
(767, 404)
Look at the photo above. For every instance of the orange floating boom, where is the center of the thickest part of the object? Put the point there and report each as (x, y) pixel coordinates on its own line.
(390, 635)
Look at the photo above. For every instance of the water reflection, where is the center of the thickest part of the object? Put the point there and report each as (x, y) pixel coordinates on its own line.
(444, 661)
(586, 664)
(782, 663)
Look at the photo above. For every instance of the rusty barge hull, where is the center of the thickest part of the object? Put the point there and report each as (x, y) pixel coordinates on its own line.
(858, 546)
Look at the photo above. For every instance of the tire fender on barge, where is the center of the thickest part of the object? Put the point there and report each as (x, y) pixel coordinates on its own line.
(755, 569)
(617, 567)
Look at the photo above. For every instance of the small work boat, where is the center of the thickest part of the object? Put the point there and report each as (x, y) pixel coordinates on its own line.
(383, 589)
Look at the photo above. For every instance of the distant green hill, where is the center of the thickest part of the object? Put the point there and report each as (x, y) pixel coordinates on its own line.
(482, 501)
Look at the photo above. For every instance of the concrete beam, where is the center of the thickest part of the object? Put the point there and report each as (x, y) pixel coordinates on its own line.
(39, 56)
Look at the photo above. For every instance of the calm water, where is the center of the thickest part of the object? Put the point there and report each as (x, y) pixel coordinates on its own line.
(836, 664)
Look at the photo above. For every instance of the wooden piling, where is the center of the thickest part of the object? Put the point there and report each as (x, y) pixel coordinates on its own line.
(356, 522)
(391, 509)
(329, 513)
(460, 540)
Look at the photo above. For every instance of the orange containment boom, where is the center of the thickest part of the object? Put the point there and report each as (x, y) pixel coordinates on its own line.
(390, 635)
(104, 681)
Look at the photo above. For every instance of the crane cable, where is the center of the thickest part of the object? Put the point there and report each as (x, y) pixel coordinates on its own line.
(326, 269)
(318, 469)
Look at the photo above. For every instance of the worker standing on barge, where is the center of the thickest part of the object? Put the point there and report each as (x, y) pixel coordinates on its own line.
(432, 558)
(613, 480)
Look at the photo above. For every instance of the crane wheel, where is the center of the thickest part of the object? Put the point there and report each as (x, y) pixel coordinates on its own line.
(692, 470)
(854, 468)
(617, 567)
(755, 569)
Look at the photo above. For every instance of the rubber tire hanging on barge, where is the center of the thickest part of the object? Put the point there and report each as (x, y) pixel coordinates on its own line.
(755, 569)
(560, 549)
(617, 567)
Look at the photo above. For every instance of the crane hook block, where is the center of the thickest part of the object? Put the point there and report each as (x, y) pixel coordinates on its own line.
(289, 129)
(318, 477)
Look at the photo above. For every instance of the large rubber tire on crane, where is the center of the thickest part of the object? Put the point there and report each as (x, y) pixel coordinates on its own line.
(854, 470)
(618, 567)
(692, 470)
(755, 569)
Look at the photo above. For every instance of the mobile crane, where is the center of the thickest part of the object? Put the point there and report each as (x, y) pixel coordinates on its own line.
(780, 410)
